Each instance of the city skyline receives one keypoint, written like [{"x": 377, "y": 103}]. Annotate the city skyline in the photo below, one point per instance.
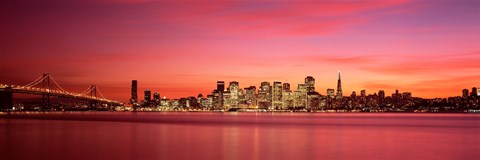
[{"x": 180, "y": 48}]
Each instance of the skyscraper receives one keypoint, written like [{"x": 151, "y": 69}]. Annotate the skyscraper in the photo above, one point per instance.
[
  {"x": 474, "y": 92},
  {"x": 265, "y": 95},
  {"x": 301, "y": 96},
  {"x": 134, "y": 97},
  {"x": 310, "y": 83},
  {"x": 330, "y": 93},
  {"x": 156, "y": 98},
  {"x": 363, "y": 93},
  {"x": 250, "y": 98},
  {"x": 354, "y": 95},
  {"x": 147, "y": 97},
  {"x": 381, "y": 94},
  {"x": 286, "y": 87},
  {"x": 220, "y": 86},
  {"x": 339, "y": 87},
  {"x": 234, "y": 89},
  {"x": 465, "y": 93},
  {"x": 277, "y": 94}
]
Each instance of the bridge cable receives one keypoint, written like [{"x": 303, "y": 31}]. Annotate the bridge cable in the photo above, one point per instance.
[
  {"x": 35, "y": 82},
  {"x": 58, "y": 86},
  {"x": 101, "y": 93}
]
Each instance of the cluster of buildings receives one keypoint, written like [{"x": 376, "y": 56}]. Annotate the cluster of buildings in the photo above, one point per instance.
[{"x": 276, "y": 96}]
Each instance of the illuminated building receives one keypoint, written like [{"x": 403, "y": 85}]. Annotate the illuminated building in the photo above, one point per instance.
[
  {"x": 478, "y": 91},
  {"x": 313, "y": 100},
  {"x": 363, "y": 93},
  {"x": 264, "y": 95},
  {"x": 250, "y": 96},
  {"x": 301, "y": 96},
  {"x": 175, "y": 104},
  {"x": 339, "y": 87},
  {"x": 288, "y": 98},
  {"x": 227, "y": 101},
  {"x": 354, "y": 95},
  {"x": 465, "y": 93},
  {"x": 134, "y": 96},
  {"x": 286, "y": 87},
  {"x": 209, "y": 102},
  {"x": 217, "y": 100},
  {"x": 277, "y": 95},
  {"x": 331, "y": 93},
  {"x": 310, "y": 84},
  {"x": 165, "y": 103},
  {"x": 234, "y": 95}
]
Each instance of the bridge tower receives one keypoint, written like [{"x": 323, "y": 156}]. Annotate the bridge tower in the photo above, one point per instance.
[
  {"x": 46, "y": 85},
  {"x": 93, "y": 93},
  {"x": 6, "y": 99}
]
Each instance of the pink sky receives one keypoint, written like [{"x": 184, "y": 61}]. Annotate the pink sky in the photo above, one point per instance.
[{"x": 181, "y": 48}]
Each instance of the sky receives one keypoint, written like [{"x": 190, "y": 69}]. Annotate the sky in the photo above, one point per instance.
[{"x": 180, "y": 48}]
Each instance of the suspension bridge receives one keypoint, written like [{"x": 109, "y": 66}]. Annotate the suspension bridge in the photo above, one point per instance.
[{"x": 46, "y": 86}]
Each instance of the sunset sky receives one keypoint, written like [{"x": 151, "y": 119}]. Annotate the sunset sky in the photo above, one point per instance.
[{"x": 181, "y": 48}]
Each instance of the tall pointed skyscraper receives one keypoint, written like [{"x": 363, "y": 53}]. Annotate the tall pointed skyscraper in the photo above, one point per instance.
[{"x": 339, "y": 87}]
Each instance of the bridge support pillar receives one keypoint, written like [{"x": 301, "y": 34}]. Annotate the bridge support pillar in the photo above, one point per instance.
[{"x": 6, "y": 99}]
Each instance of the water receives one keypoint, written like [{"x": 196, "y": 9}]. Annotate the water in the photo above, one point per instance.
[{"x": 238, "y": 136}]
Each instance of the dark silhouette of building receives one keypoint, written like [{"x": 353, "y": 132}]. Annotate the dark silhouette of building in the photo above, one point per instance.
[
  {"x": 465, "y": 93},
  {"x": 339, "y": 87},
  {"x": 220, "y": 86},
  {"x": 474, "y": 92},
  {"x": 156, "y": 98},
  {"x": 381, "y": 94},
  {"x": 147, "y": 97},
  {"x": 134, "y": 96}
]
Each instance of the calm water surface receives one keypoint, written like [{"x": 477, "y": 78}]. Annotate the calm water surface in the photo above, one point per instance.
[{"x": 256, "y": 136}]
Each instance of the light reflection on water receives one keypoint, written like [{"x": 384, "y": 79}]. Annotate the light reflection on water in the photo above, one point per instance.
[{"x": 238, "y": 136}]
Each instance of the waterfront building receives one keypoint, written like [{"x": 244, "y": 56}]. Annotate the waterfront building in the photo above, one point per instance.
[
  {"x": 277, "y": 95},
  {"x": 265, "y": 95},
  {"x": 147, "y": 97},
  {"x": 474, "y": 92},
  {"x": 220, "y": 86},
  {"x": 353, "y": 95},
  {"x": 288, "y": 98},
  {"x": 235, "y": 94},
  {"x": 339, "y": 87},
  {"x": 286, "y": 87},
  {"x": 134, "y": 96},
  {"x": 331, "y": 93},
  {"x": 250, "y": 96},
  {"x": 381, "y": 94},
  {"x": 156, "y": 98},
  {"x": 310, "y": 84},
  {"x": 165, "y": 103},
  {"x": 407, "y": 95},
  {"x": 465, "y": 93},
  {"x": 313, "y": 100}
]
